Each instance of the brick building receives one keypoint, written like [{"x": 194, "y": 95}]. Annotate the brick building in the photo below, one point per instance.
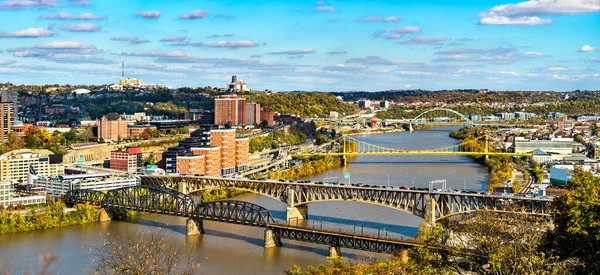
[
  {"x": 112, "y": 127},
  {"x": 252, "y": 113},
  {"x": 268, "y": 116},
  {"x": 126, "y": 159},
  {"x": 230, "y": 109},
  {"x": 135, "y": 131},
  {"x": 221, "y": 153}
]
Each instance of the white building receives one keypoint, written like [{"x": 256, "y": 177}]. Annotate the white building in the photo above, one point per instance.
[
  {"x": 8, "y": 196},
  {"x": 334, "y": 114},
  {"x": 15, "y": 165},
  {"x": 58, "y": 186}
]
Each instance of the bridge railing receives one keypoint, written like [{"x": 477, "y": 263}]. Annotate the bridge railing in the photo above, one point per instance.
[{"x": 358, "y": 230}]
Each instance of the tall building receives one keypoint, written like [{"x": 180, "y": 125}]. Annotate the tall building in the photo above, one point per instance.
[
  {"x": 11, "y": 97},
  {"x": 208, "y": 151},
  {"x": 252, "y": 113},
  {"x": 6, "y": 120},
  {"x": 225, "y": 139},
  {"x": 15, "y": 165},
  {"x": 230, "y": 109},
  {"x": 126, "y": 159},
  {"x": 364, "y": 103},
  {"x": 112, "y": 127},
  {"x": 268, "y": 116}
]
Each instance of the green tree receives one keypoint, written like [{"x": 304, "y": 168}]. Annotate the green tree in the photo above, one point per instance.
[{"x": 577, "y": 221}]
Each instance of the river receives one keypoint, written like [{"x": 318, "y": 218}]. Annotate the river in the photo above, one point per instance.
[{"x": 234, "y": 249}]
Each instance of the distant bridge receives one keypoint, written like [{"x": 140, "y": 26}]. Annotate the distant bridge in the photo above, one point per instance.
[
  {"x": 430, "y": 205},
  {"x": 368, "y": 149},
  {"x": 153, "y": 199},
  {"x": 448, "y": 117}
]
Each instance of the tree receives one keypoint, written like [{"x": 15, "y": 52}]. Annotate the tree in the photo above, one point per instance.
[
  {"x": 140, "y": 252},
  {"x": 36, "y": 138},
  {"x": 577, "y": 221}
]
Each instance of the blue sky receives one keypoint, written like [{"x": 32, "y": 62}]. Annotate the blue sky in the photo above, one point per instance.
[{"x": 305, "y": 45}]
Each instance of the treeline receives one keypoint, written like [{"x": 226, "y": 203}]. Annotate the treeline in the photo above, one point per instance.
[
  {"x": 52, "y": 216},
  {"x": 500, "y": 168},
  {"x": 303, "y": 104},
  {"x": 296, "y": 134},
  {"x": 40, "y": 138},
  {"x": 306, "y": 169}
]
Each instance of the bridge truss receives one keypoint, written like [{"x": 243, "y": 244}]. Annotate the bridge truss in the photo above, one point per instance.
[
  {"x": 424, "y": 204},
  {"x": 161, "y": 200}
]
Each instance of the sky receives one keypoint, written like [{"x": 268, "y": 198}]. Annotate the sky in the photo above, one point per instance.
[{"x": 284, "y": 45}]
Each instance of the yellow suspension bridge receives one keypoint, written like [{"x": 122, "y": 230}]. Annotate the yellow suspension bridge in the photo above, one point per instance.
[{"x": 361, "y": 148}]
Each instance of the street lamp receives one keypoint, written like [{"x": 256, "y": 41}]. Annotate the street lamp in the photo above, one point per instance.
[{"x": 388, "y": 179}]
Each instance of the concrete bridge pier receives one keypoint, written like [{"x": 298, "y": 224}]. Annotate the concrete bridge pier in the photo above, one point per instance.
[
  {"x": 334, "y": 252},
  {"x": 297, "y": 213},
  {"x": 194, "y": 227},
  {"x": 270, "y": 239},
  {"x": 103, "y": 216},
  {"x": 182, "y": 187},
  {"x": 430, "y": 208}
]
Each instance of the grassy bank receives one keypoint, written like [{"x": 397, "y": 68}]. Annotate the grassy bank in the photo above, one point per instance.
[{"x": 50, "y": 217}]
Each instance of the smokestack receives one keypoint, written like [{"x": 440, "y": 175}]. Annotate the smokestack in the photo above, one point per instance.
[{"x": 122, "y": 65}]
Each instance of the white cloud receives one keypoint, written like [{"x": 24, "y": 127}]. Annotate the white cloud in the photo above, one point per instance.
[
  {"x": 149, "y": 14},
  {"x": 345, "y": 68},
  {"x": 233, "y": 44},
  {"x": 380, "y": 19},
  {"x": 131, "y": 39},
  {"x": 325, "y": 9},
  {"x": 6, "y": 62},
  {"x": 526, "y": 13},
  {"x": 336, "y": 52},
  {"x": 560, "y": 77},
  {"x": 173, "y": 39},
  {"x": 28, "y": 33},
  {"x": 521, "y": 20},
  {"x": 415, "y": 73},
  {"x": 406, "y": 86},
  {"x": 295, "y": 52},
  {"x": 197, "y": 14},
  {"x": 425, "y": 40},
  {"x": 594, "y": 59},
  {"x": 556, "y": 69},
  {"x": 86, "y": 27},
  {"x": 586, "y": 48},
  {"x": 67, "y": 16}
]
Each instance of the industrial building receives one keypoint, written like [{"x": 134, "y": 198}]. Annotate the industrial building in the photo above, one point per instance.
[
  {"x": 8, "y": 196},
  {"x": 58, "y": 186}
]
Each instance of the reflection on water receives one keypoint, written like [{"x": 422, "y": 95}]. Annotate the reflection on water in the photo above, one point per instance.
[{"x": 235, "y": 249}]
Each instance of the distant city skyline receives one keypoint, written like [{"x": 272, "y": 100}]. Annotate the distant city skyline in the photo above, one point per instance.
[{"x": 305, "y": 45}]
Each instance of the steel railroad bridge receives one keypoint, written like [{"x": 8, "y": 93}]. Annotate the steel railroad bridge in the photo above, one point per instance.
[
  {"x": 431, "y": 206},
  {"x": 153, "y": 199}
]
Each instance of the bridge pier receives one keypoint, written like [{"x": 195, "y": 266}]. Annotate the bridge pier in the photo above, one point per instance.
[
  {"x": 182, "y": 187},
  {"x": 270, "y": 239},
  {"x": 344, "y": 160},
  {"x": 334, "y": 252},
  {"x": 430, "y": 207},
  {"x": 194, "y": 227},
  {"x": 103, "y": 216},
  {"x": 297, "y": 213}
]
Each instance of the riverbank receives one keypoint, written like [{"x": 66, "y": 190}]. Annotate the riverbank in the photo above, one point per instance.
[
  {"x": 500, "y": 168},
  {"x": 52, "y": 216}
]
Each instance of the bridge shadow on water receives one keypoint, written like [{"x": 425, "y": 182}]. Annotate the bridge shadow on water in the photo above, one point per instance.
[
  {"x": 157, "y": 224},
  {"x": 348, "y": 224}
]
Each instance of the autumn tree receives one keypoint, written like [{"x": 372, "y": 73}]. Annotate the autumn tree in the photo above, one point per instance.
[{"x": 577, "y": 221}]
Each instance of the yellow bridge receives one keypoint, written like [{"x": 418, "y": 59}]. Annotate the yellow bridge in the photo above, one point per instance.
[{"x": 355, "y": 147}]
